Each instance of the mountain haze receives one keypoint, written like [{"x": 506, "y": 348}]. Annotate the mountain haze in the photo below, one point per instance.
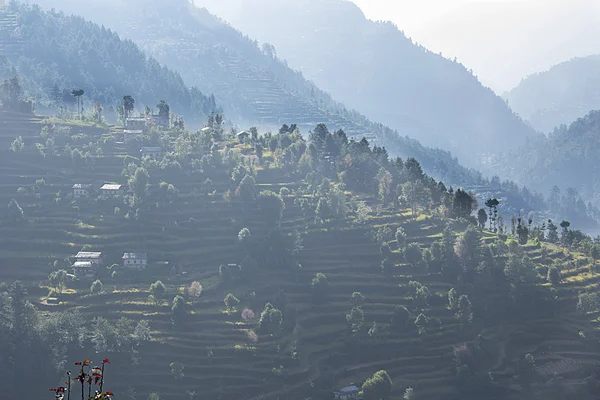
[
  {"x": 561, "y": 95},
  {"x": 58, "y": 53},
  {"x": 373, "y": 67},
  {"x": 506, "y": 40}
]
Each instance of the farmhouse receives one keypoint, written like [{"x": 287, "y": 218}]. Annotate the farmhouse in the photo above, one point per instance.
[
  {"x": 154, "y": 153},
  {"x": 348, "y": 393},
  {"x": 162, "y": 121},
  {"x": 81, "y": 190},
  {"x": 110, "y": 189},
  {"x": 84, "y": 269},
  {"x": 135, "y": 124},
  {"x": 135, "y": 260},
  {"x": 86, "y": 264},
  {"x": 243, "y": 136},
  {"x": 95, "y": 257}
]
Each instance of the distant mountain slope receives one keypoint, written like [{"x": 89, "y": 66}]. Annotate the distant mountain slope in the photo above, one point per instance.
[
  {"x": 373, "y": 67},
  {"x": 560, "y": 95},
  {"x": 568, "y": 158},
  {"x": 70, "y": 52},
  {"x": 204, "y": 49},
  {"x": 253, "y": 86}
]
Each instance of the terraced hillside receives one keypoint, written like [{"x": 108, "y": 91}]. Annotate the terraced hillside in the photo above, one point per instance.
[{"x": 313, "y": 352}]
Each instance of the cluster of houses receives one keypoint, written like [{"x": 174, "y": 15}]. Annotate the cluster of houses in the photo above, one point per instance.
[
  {"x": 86, "y": 263},
  {"x": 84, "y": 190},
  {"x": 140, "y": 125}
]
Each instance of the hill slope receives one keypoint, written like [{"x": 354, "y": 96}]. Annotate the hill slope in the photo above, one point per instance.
[
  {"x": 314, "y": 350},
  {"x": 373, "y": 67},
  {"x": 568, "y": 157},
  {"x": 58, "y": 53},
  {"x": 560, "y": 95}
]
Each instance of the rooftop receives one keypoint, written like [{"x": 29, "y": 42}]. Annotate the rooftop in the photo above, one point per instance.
[
  {"x": 350, "y": 389},
  {"x": 110, "y": 186},
  {"x": 151, "y": 149},
  {"x": 82, "y": 264},
  {"x": 89, "y": 254},
  {"x": 135, "y": 256},
  {"x": 205, "y": 129},
  {"x": 136, "y": 119},
  {"x": 82, "y": 186},
  {"x": 133, "y": 131}
]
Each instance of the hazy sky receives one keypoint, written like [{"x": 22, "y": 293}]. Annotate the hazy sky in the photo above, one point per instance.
[
  {"x": 410, "y": 15},
  {"x": 502, "y": 41}
]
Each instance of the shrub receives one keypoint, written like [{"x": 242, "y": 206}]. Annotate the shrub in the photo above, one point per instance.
[
  {"x": 96, "y": 287},
  {"x": 231, "y": 301}
]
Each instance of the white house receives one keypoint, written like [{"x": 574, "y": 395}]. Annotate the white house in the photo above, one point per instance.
[
  {"x": 86, "y": 264},
  {"x": 154, "y": 153},
  {"x": 348, "y": 393},
  {"x": 136, "y": 123},
  {"x": 81, "y": 190},
  {"x": 110, "y": 189},
  {"x": 135, "y": 260},
  {"x": 95, "y": 257},
  {"x": 243, "y": 136},
  {"x": 84, "y": 269}
]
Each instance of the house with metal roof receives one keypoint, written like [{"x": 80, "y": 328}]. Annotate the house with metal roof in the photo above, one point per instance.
[
  {"x": 111, "y": 189},
  {"x": 81, "y": 190},
  {"x": 135, "y": 260},
  {"x": 348, "y": 393}
]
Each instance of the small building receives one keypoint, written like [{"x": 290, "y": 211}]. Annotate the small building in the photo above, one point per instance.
[
  {"x": 84, "y": 269},
  {"x": 348, "y": 393},
  {"x": 86, "y": 264},
  {"x": 135, "y": 260},
  {"x": 94, "y": 257},
  {"x": 52, "y": 301},
  {"x": 161, "y": 121},
  {"x": 111, "y": 189},
  {"x": 154, "y": 153},
  {"x": 243, "y": 136},
  {"x": 81, "y": 190},
  {"x": 136, "y": 124}
]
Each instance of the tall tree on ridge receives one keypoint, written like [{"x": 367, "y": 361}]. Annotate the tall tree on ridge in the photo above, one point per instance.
[{"x": 78, "y": 93}]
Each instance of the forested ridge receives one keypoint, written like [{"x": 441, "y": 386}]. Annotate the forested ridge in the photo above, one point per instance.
[
  {"x": 58, "y": 53},
  {"x": 555, "y": 163},
  {"x": 379, "y": 71},
  {"x": 248, "y": 78},
  {"x": 566, "y": 92}
]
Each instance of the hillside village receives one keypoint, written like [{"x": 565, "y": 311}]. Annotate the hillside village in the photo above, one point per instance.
[
  {"x": 333, "y": 242},
  {"x": 211, "y": 260}
]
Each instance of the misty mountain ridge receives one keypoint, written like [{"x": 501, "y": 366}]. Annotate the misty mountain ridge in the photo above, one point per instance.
[
  {"x": 59, "y": 53},
  {"x": 560, "y": 95},
  {"x": 376, "y": 69}
]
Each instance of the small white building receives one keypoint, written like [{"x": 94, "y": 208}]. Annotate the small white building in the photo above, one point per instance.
[
  {"x": 348, "y": 393},
  {"x": 136, "y": 123},
  {"x": 243, "y": 136},
  {"x": 135, "y": 260},
  {"x": 81, "y": 190},
  {"x": 84, "y": 269},
  {"x": 111, "y": 189},
  {"x": 154, "y": 153},
  {"x": 86, "y": 264},
  {"x": 95, "y": 257}
]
